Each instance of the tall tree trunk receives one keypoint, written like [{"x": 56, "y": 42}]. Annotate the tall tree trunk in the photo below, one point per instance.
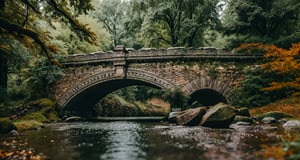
[{"x": 3, "y": 75}]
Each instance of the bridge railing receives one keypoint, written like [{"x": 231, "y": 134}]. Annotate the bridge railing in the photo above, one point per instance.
[{"x": 152, "y": 54}]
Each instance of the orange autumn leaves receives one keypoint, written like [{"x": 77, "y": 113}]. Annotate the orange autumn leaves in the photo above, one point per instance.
[{"x": 284, "y": 62}]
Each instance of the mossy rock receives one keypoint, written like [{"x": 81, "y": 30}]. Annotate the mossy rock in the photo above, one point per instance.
[
  {"x": 243, "y": 112},
  {"x": 43, "y": 116},
  {"x": 6, "y": 125},
  {"x": 219, "y": 116},
  {"x": 28, "y": 124},
  {"x": 44, "y": 103},
  {"x": 239, "y": 118},
  {"x": 275, "y": 114}
]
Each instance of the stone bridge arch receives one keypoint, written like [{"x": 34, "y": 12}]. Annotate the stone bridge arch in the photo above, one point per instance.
[
  {"x": 86, "y": 92},
  {"x": 207, "y": 91}
]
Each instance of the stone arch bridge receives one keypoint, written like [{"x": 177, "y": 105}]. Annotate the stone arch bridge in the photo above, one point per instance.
[{"x": 205, "y": 74}]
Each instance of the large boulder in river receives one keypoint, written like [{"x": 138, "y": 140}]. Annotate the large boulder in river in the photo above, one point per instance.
[
  {"x": 190, "y": 117},
  {"x": 219, "y": 116}
]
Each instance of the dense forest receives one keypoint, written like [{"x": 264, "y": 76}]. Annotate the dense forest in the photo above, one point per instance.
[{"x": 35, "y": 34}]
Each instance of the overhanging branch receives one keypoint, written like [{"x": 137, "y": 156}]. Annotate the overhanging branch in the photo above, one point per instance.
[{"x": 13, "y": 28}]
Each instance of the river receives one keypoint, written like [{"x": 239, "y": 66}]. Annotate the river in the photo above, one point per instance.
[{"x": 124, "y": 140}]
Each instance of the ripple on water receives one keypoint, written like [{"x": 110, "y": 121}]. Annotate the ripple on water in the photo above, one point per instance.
[{"x": 140, "y": 141}]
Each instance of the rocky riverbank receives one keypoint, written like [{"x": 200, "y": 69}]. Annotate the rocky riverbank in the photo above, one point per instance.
[{"x": 223, "y": 115}]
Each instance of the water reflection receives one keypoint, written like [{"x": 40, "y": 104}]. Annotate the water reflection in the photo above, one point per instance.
[
  {"x": 123, "y": 142},
  {"x": 143, "y": 141}
]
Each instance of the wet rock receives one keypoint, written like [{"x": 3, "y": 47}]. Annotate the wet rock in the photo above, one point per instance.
[
  {"x": 239, "y": 125},
  {"x": 74, "y": 119},
  {"x": 243, "y": 123},
  {"x": 172, "y": 117},
  {"x": 292, "y": 125},
  {"x": 246, "y": 119},
  {"x": 219, "y": 116},
  {"x": 243, "y": 112},
  {"x": 190, "y": 117},
  {"x": 14, "y": 132},
  {"x": 268, "y": 120}
]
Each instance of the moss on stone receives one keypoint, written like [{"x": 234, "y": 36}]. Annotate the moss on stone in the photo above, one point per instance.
[
  {"x": 277, "y": 115},
  {"x": 28, "y": 124},
  {"x": 45, "y": 102},
  {"x": 6, "y": 125},
  {"x": 44, "y": 115}
]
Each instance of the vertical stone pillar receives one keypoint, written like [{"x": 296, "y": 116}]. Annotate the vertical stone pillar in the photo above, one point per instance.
[{"x": 120, "y": 63}]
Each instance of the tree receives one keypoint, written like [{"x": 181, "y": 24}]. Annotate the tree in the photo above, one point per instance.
[
  {"x": 284, "y": 62},
  {"x": 178, "y": 22},
  {"x": 272, "y": 22},
  {"x": 20, "y": 21},
  {"x": 111, "y": 14}
]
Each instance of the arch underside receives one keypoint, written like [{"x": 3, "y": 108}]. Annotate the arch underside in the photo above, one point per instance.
[
  {"x": 206, "y": 91},
  {"x": 86, "y": 93},
  {"x": 89, "y": 91}
]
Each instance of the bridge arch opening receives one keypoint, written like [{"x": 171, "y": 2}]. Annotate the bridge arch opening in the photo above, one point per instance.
[
  {"x": 86, "y": 100},
  {"x": 207, "y": 97}
]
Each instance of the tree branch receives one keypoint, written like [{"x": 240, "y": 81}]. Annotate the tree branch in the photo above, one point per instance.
[
  {"x": 72, "y": 21},
  {"x": 13, "y": 28}
]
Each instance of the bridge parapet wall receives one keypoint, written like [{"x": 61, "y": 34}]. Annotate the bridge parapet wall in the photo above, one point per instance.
[{"x": 152, "y": 54}]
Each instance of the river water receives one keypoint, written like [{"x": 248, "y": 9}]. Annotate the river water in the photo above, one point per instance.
[{"x": 123, "y": 140}]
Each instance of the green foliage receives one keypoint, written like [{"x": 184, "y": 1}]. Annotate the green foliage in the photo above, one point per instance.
[
  {"x": 156, "y": 23},
  {"x": 114, "y": 106},
  {"x": 140, "y": 93},
  {"x": 249, "y": 93},
  {"x": 111, "y": 14},
  {"x": 178, "y": 23},
  {"x": 272, "y": 22},
  {"x": 176, "y": 98},
  {"x": 41, "y": 78},
  {"x": 70, "y": 43}
]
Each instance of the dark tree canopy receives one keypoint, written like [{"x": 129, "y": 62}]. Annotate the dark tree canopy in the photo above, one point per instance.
[{"x": 272, "y": 21}]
